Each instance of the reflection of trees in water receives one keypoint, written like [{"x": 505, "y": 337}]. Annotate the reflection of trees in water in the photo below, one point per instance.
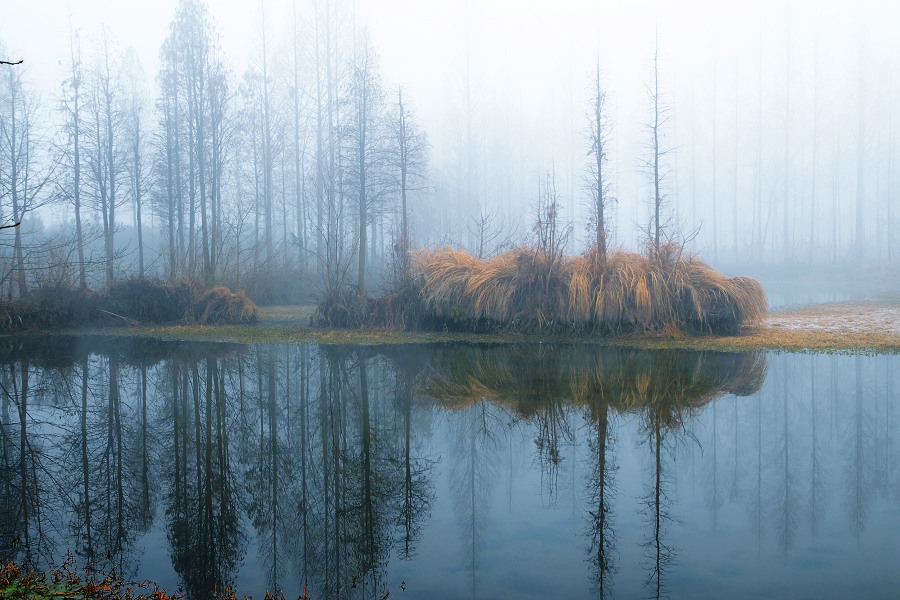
[
  {"x": 817, "y": 412},
  {"x": 321, "y": 450},
  {"x": 601, "y": 491},
  {"x": 816, "y": 497},
  {"x": 417, "y": 487},
  {"x": 756, "y": 503},
  {"x": 21, "y": 490},
  {"x": 473, "y": 473},
  {"x": 664, "y": 387},
  {"x": 891, "y": 458},
  {"x": 785, "y": 499},
  {"x": 862, "y": 444},
  {"x": 364, "y": 491},
  {"x": 657, "y": 500},
  {"x": 267, "y": 466},
  {"x": 202, "y": 518}
]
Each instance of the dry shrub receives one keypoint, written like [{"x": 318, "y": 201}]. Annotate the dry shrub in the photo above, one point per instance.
[
  {"x": 155, "y": 301},
  {"x": 131, "y": 301},
  {"x": 150, "y": 300},
  {"x": 401, "y": 308},
  {"x": 526, "y": 290},
  {"x": 447, "y": 274},
  {"x": 49, "y": 308},
  {"x": 222, "y": 306}
]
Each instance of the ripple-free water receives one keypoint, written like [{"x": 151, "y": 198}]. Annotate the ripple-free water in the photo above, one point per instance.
[{"x": 448, "y": 471}]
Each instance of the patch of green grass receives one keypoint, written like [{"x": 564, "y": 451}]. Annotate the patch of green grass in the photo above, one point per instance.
[
  {"x": 760, "y": 338},
  {"x": 286, "y": 313}
]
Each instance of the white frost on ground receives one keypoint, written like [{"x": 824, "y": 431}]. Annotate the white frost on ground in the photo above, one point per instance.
[{"x": 840, "y": 317}]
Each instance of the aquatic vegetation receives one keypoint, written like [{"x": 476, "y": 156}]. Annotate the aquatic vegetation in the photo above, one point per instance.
[{"x": 529, "y": 290}]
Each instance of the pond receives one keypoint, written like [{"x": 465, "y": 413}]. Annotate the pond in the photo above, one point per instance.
[{"x": 452, "y": 471}]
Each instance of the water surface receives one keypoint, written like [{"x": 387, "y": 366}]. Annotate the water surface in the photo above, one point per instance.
[{"x": 453, "y": 471}]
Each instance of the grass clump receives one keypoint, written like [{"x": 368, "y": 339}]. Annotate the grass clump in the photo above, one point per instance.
[
  {"x": 526, "y": 289},
  {"x": 222, "y": 306},
  {"x": 131, "y": 301}
]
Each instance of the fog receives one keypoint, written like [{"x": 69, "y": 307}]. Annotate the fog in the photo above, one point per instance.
[{"x": 778, "y": 142}]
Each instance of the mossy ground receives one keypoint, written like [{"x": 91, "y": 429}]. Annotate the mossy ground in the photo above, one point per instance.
[{"x": 870, "y": 326}]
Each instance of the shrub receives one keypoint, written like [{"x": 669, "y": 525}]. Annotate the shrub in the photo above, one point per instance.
[
  {"x": 220, "y": 306},
  {"x": 132, "y": 301},
  {"x": 527, "y": 290},
  {"x": 150, "y": 300}
]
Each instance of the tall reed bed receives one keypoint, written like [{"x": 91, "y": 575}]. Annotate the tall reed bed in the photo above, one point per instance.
[{"x": 526, "y": 289}]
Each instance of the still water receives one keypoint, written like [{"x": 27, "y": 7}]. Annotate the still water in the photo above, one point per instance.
[{"x": 453, "y": 471}]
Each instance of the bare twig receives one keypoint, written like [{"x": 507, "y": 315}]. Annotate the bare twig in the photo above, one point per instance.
[
  {"x": 126, "y": 319},
  {"x": 6, "y": 62}
]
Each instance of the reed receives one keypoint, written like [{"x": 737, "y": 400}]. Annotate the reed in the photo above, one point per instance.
[{"x": 525, "y": 289}]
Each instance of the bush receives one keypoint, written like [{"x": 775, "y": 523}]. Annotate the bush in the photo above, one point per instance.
[
  {"x": 220, "y": 306},
  {"x": 132, "y": 301},
  {"x": 526, "y": 289},
  {"x": 150, "y": 300}
]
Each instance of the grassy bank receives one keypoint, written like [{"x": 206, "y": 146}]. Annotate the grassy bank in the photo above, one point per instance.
[{"x": 818, "y": 328}]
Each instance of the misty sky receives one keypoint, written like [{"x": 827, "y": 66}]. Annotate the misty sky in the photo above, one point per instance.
[{"x": 529, "y": 63}]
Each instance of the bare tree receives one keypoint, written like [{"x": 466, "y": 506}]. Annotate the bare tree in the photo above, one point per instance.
[
  {"x": 598, "y": 179},
  {"x": 366, "y": 137},
  {"x": 106, "y": 150},
  {"x": 409, "y": 161},
  {"x": 551, "y": 234},
  {"x": 137, "y": 169},
  {"x": 72, "y": 107},
  {"x": 653, "y": 164},
  {"x": 24, "y": 174}
]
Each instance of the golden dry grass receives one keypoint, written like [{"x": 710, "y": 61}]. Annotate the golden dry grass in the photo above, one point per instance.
[{"x": 527, "y": 290}]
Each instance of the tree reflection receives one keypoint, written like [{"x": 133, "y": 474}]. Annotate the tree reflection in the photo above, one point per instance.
[
  {"x": 20, "y": 490},
  {"x": 206, "y": 542},
  {"x": 417, "y": 488},
  {"x": 664, "y": 387},
  {"x": 861, "y": 445},
  {"x": 601, "y": 489},
  {"x": 315, "y": 466},
  {"x": 657, "y": 504}
]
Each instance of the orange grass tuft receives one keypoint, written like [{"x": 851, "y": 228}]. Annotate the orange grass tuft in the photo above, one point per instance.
[{"x": 525, "y": 289}]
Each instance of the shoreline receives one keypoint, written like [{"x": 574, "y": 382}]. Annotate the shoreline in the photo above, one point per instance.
[{"x": 870, "y": 326}]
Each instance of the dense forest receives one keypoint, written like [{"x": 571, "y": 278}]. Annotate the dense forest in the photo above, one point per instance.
[{"x": 308, "y": 172}]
